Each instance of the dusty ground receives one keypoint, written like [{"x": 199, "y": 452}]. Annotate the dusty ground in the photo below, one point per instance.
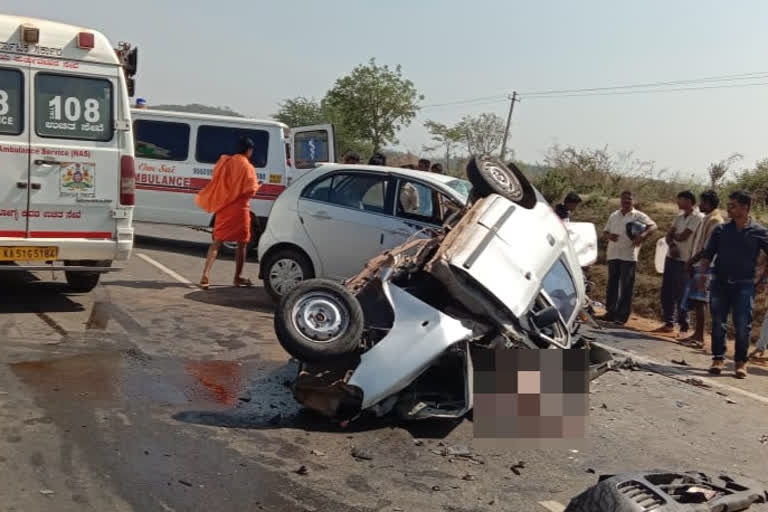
[{"x": 149, "y": 394}]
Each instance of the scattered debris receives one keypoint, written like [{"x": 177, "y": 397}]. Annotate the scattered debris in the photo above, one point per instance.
[
  {"x": 604, "y": 406},
  {"x": 591, "y": 471},
  {"x": 629, "y": 364},
  {"x": 302, "y": 470},
  {"x": 493, "y": 501},
  {"x": 457, "y": 451},
  {"x": 681, "y": 362},
  {"x": 317, "y": 453},
  {"x": 146, "y": 452},
  {"x": 435, "y": 487},
  {"x": 764, "y": 439},
  {"x": 730, "y": 401},
  {"x": 681, "y": 404},
  {"x": 184, "y": 482},
  {"x": 468, "y": 477},
  {"x": 722, "y": 393},
  {"x": 361, "y": 454},
  {"x": 46, "y": 492},
  {"x": 695, "y": 381},
  {"x": 517, "y": 467},
  {"x": 418, "y": 442},
  {"x": 574, "y": 451}
]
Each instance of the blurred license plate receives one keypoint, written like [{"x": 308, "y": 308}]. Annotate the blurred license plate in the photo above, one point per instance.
[{"x": 28, "y": 253}]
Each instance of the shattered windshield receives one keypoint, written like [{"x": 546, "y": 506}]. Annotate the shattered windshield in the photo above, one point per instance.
[
  {"x": 463, "y": 187},
  {"x": 559, "y": 285}
]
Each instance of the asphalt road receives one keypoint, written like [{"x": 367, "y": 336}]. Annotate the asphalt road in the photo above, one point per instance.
[{"x": 150, "y": 394}]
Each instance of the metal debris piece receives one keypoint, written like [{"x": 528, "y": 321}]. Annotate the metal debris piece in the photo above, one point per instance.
[
  {"x": 318, "y": 453},
  {"x": 418, "y": 442},
  {"x": 629, "y": 364},
  {"x": 468, "y": 477},
  {"x": 695, "y": 381},
  {"x": 184, "y": 482},
  {"x": 46, "y": 492},
  {"x": 517, "y": 467},
  {"x": 730, "y": 401},
  {"x": 457, "y": 451},
  {"x": 302, "y": 470},
  {"x": 435, "y": 487},
  {"x": 681, "y": 362},
  {"x": 361, "y": 454},
  {"x": 764, "y": 439}
]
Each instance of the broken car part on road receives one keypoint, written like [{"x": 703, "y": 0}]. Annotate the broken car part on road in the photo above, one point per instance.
[
  {"x": 669, "y": 491},
  {"x": 502, "y": 272}
]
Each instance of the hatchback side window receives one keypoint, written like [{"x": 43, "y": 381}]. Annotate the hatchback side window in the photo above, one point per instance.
[
  {"x": 418, "y": 202},
  {"x": 11, "y": 102},
  {"x": 359, "y": 191}
]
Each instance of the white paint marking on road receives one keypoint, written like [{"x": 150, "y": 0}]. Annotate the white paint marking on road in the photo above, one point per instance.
[
  {"x": 552, "y": 506},
  {"x": 162, "y": 268},
  {"x": 674, "y": 373}
]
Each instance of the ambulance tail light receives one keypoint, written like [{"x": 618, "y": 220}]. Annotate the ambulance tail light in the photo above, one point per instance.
[
  {"x": 86, "y": 40},
  {"x": 127, "y": 181}
]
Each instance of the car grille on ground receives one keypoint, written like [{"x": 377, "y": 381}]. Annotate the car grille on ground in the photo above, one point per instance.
[{"x": 641, "y": 494}]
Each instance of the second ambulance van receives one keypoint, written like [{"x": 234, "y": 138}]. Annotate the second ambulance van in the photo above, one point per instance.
[{"x": 176, "y": 153}]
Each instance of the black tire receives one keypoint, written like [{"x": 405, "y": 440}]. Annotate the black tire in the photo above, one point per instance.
[
  {"x": 82, "y": 282},
  {"x": 282, "y": 257},
  {"x": 490, "y": 176},
  {"x": 342, "y": 314}
]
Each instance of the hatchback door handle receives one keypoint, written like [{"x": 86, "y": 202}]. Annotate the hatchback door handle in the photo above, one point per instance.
[
  {"x": 321, "y": 215},
  {"x": 21, "y": 184},
  {"x": 36, "y": 186}
]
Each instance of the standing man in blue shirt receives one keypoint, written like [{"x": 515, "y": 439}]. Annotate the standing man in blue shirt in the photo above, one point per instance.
[{"x": 737, "y": 245}]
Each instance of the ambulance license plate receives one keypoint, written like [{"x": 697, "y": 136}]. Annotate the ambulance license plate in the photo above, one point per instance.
[{"x": 28, "y": 253}]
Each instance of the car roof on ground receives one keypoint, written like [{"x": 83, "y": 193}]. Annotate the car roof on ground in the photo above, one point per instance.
[{"x": 441, "y": 179}]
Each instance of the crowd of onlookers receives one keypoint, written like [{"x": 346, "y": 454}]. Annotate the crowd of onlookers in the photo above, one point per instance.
[
  {"x": 380, "y": 159},
  {"x": 710, "y": 261}
]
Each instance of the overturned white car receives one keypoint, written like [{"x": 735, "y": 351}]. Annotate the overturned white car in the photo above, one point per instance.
[{"x": 504, "y": 271}]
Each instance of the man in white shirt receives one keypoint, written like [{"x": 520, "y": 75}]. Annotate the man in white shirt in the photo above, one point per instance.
[
  {"x": 680, "y": 242},
  {"x": 622, "y": 256}
]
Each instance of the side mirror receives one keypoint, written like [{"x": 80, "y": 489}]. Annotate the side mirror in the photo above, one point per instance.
[{"x": 545, "y": 317}]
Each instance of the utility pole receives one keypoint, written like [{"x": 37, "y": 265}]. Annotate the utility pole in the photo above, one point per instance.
[{"x": 512, "y": 100}]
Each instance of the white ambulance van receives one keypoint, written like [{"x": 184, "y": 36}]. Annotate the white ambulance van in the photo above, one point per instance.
[
  {"x": 177, "y": 151},
  {"x": 66, "y": 151}
]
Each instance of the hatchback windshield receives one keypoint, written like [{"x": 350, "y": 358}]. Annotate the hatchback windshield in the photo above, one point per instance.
[
  {"x": 463, "y": 187},
  {"x": 558, "y": 284}
]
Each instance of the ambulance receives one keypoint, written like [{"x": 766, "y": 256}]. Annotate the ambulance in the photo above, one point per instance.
[
  {"x": 67, "y": 172},
  {"x": 177, "y": 151}
]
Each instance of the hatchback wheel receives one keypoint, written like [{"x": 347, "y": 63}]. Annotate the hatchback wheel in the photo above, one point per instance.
[
  {"x": 284, "y": 270},
  {"x": 490, "y": 176},
  {"x": 319, "y": 320}
]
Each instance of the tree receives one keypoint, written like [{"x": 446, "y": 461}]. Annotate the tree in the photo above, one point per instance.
[
  {"x": 482, "y": 134},
  {"x": 374, "y": 102},
  {"x": 718, "y": 170},
  {"x": 300, "y": 111},
  {"x": 446, "y": 136}
]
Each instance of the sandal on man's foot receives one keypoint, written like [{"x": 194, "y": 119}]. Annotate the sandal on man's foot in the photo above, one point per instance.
[
  {"x": 243, "y": 282},
  {"x": 204, "y": 284}
]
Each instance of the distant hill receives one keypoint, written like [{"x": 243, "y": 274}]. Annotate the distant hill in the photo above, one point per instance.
[{"x": 197, "y": 108}]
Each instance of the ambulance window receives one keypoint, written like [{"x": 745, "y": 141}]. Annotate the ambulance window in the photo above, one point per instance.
[
  {"x": 11, "y": 102},
  {"x": 73, "y": 107},
  {"x": 214, "y": 141},
  {"x": 161, "y": 140}
]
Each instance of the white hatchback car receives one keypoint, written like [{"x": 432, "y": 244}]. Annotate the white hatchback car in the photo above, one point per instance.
[{"x": 335, "y": 218}]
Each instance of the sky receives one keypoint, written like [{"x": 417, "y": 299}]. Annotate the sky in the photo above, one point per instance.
[{"x": 250, "y": 55}]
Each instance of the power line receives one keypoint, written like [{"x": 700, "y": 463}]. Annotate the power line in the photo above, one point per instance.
[
  {"x": 719, "y": 78},
  {"x": 617, "y": 90},
  {"x": 649, "y": 91}
]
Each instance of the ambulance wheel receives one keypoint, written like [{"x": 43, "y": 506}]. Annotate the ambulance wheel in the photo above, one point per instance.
[
  {"x": 319, "y": 320},
  {"x": 82, "y": 282},
  {"x": 490, "y": 176},
  {"x": 229, "y": 248}
]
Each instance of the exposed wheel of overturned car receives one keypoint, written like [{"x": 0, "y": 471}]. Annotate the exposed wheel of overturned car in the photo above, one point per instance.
[
  {"x": 319, "y": 320},
  {"x": 490, "y": 176}
]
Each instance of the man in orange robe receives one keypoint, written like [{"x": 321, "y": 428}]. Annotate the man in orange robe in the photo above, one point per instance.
[{"x": 228, "y": 196}]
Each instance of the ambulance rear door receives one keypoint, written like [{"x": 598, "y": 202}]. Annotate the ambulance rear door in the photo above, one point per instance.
[
  {"x": 75, "y": 161},
  {"x": 309, "y": 147},
  {"x": 14, "y": 147}
]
